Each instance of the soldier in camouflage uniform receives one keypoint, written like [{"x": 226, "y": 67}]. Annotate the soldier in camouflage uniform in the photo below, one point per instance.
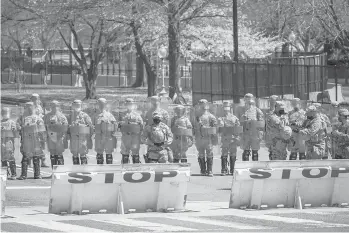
[
  {"x": 182, "y": 131},
  {"x": 35, "y": 98},
  {"x": 9, "y": 131},
  {"x": 57, "y": 127},
  {"x": 296, "y": 119},
  {"x": 105, "y": 130},
  {"x": 253, "y": 121},
  {"x": 314, "y": 133},
  {"x": 280, "y": 132},
  {"x": 328, "y": 130},
  {"x": 268, "y": 136},
  {"x": 131, "y": 127},
  {"x": 33, "y": 137},
  {"x": 158, "y": 137},
  {"x": 205, "y": 137},
  {"x": 229, "y": 128},
  {"x": 80, "y": 129},
  {"x": 340, "y": 136},
  {"x": 155, "y": 107}
]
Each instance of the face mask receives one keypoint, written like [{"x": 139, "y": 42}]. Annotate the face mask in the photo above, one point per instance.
[
  {"x": 282, "y": 112},
  {"x": 77, "y": 109},
  {"x": 310, "y": 117},
  {"x": 156, "y": 121}
]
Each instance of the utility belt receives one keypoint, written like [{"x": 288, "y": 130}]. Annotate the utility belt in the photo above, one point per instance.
[
  {"x": 130, "y": 128},
  {"x": 57, "y": 128},
  {"x": 182, "y": 132},
  {"x": 254, "y": 124},
  {"x": 9, "y": 134},
  {"x": 33, "y": 129},
  {"x": 207, "y": 131},
  {"x": 230, "y": 130},
  {"x": 80, "y": 130}
]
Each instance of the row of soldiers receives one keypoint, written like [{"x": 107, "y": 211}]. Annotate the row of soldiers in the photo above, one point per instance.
[{"x": 307, "y": 133}]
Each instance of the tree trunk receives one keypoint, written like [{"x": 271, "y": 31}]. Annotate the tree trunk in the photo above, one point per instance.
[
  {"x": 90, "y": 80},
  {"x": 129, "y": 68},
  {"x": 173, "y": 49},
  {"x": 139, "y": 72}
]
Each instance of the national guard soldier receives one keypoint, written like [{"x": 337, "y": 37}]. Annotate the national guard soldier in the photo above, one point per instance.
[
  {"x": 158, "y": 137},
  {"x": 328, "y": 129},
  {"x": 35, "y": 98},
  {"x": 205, "y": 137},
  {"x": 80, "y": 129},
  {"x": 296, "y": 119},
  {"x": 280, "y": 132},
  {"x": 272, "y": 102},
  {"x": 33, "y": 137},
  {"x": 9, "y": 131},
  {"x": 131, "y": 127},
  {"x": 229, "y": 129},
  {"x": 314, "y": 134},
  {"x": 105, "y": 130},
  {"x": 182, "y": 131},
  {"x": 155, "y": 107},
  {"x": 253, "y": 122},
  {"x": 340, "y": 136},
  {"x": 57, "y": 127},
  {"x": 337, "y": 124}
]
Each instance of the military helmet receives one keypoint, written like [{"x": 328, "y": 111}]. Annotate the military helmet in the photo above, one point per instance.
[
  {"x": 54, "y": 103},
  {"x": 156, "y": 115},
  {"x": 5, "y": 110},
  {"x": 248, "y": 95}
]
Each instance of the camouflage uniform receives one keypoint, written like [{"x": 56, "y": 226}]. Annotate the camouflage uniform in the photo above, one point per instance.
[
  {"x": 229, "y": 130},
  {"x": 328, "y": 129},
  {"x": 340, "y": 136},
  {"x": 158, "y": 137},
  {"x": 314, "y": 134},
  {"x": 182, "y": 130},
  {"x": 155, "y": 102},
  {"x": 33, "y": 138},
  {"x": 253, "y": 121},
  {"x": 131, "y": 128},
  {"x": 80, "y": 130},
  {"x": 268, "y": 136},
  {"x": 9, "y": 131},
  {"x": 57, "y": 127},
  {"x": 296, "y": 119},
  {"x": 280, "y": 132},
  {"x": 35, "y": 98},
  {"x": 205, "y": 137}
]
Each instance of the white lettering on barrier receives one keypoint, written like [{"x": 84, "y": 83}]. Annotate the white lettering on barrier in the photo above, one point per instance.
[{"x": 294, "y": 173}]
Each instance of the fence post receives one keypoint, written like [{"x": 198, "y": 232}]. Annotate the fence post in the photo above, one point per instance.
[
  {"x": 281, "y": 81},
  {"x": 268, "y": 68},
  {"x": 308, "y": 81},
  {"x": 256, "y": 78},
  {"x": 211, "y": 81},
  {"x": 244, "y": 77},
  {"x": 336, "y": 81}
]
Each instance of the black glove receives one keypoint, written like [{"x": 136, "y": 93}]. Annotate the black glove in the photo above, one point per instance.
[
  {"x": 159, "y": 144},
  {"x": 296, "y": 130}
]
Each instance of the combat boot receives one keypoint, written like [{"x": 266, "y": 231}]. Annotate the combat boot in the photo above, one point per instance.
[
  {"x": 224, "y": 165},
  {"x": 76, "y": 160},
  {"x": 302, "y": 156},
  {"x": 83, "y": 159},
  {"x": 36, "y": 163},
  {"x": 232, "y": 160},
  {"x": 135, "y": 159},
  {"x": 202, "y": 164},
  {"x": 43, "y": 162},
  {"x": 255, "y": 155},
  {"x": 270, "y": 155},
  {"x": 246, "y": 155},
  {"x": 100, "y": 159},
  {"x": 13, "y": 170},
  {"x": 175, "y": 160},
  {"x": 24, "y": 169},
  {"x": 125, "y": 159},
  {"x": 109, "y": 158},
  {"x": 53, "y": 160},
  {"x": 184, "y": 160},
  {"x": 293, "y": 156},
  {"x": 59, "y": 160},
  {"x": 209, "y": 167}
]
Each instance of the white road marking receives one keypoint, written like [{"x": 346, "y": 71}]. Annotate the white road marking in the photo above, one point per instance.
[
  {"x": 27, "y": 187},
  {"x": 65, "y": 227},
  {"x": 158, "y": 227},
  {"x": 217, "y": 223}
]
